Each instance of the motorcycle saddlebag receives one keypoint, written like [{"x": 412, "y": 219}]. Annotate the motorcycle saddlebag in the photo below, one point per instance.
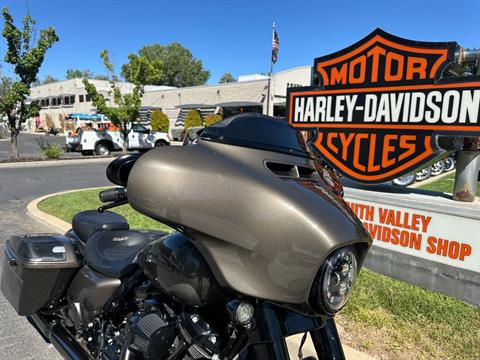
[{"x": 36, "y": 270}]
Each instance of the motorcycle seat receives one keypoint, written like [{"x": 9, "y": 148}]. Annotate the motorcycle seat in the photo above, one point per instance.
[
  {"x": 86, "y": 223},
  {"x": 113, "y": 253}
]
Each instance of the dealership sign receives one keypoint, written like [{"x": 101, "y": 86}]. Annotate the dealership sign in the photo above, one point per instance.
[
  {"x": 379, "y": 105},
  {"x": 425, "y": 234}
]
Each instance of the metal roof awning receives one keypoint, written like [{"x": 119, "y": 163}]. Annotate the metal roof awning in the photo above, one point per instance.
[
  {"x": 194, "y": 106},
  {"x": 238, "y": 104}
]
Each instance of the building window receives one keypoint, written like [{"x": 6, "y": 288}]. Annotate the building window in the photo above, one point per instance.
[
  {"x": 54, "y": 102},
  {"x": 72, "y": 99},
  {"x": 88, "y": 98},
  {"x": 42, "y": 102},
  {"x": 59, "y": 101},
  {"x": 47, "y": 102},
  {"x": 66, "y": 100},
  {"x": 80, "y": 98}
]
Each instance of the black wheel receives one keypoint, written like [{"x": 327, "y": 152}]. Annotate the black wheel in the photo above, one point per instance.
[
  {"x": 423, "y": 174},
  {"x": 405, "y": 180},
  {"x": 438, "y": 168},
  {"x": 161, "y": 143},
  {"x": 102, "y": 149},
  {"x": 87, "y": 152}
]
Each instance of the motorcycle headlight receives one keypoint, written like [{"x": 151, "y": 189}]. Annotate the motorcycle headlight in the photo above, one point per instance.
[{"x": 338, "y": 278}]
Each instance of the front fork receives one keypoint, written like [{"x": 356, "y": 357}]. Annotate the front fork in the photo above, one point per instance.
[{"x": 273, "y": 325}]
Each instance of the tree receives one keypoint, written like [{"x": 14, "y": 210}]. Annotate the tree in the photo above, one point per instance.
[
  {"x": 226, "y": 78},
  {"x": 101, "y": 77},
  {"x": 48, "y": 80},
  {"x": 5, "y": 86},
  {"x": 25, "y": 53},
  {"x": 171, "y": 65},
  {"x": 212, "y": 119},
  {"x": 126, "y": 107},
  {"x": 159, "y": 121},
  {"x": 193, "y": 119},
  {"x": 78, "y": 74}
]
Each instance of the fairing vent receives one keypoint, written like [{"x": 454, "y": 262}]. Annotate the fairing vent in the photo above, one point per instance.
[{"x": 291, "y": 170}]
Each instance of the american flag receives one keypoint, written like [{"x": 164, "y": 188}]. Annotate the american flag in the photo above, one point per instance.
[{"x": 275, "y": 46}]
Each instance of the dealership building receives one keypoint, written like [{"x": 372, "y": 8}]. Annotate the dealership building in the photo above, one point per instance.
[{"x": 248, "y": 94}]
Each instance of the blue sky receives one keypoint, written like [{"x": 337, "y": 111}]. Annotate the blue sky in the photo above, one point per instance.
[{"x": 235, "y": 36}]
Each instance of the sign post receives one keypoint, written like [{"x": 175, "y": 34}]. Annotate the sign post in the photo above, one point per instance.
[{"x": 466, "y": 177}]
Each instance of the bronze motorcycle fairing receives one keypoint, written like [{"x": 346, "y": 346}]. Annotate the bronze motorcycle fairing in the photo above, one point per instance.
[{"x": 264, "y": 232}]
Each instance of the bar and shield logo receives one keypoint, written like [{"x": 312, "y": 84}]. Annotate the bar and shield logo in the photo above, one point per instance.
[{"x": 377, "y": 106}]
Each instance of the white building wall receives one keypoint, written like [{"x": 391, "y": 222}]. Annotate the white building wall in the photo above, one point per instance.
[
  {"x": 169, "y": 99},
  {"x": 252, "y": 91},
  {"x": 70, "y": 87}
]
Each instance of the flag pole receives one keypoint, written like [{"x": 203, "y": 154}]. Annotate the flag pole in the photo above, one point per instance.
[{"x": 271, "y": 71}]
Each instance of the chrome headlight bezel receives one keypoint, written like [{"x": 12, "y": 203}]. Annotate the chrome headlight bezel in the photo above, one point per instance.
[{"x": 336, "y": 279}]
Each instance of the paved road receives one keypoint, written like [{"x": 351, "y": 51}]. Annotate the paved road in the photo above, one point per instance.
[
  {"x": 18, "y": 186},
  {"x": 28, "y": 145}
]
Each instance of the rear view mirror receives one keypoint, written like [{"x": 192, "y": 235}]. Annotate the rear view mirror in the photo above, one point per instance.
[{"x": 119, "y": 169}]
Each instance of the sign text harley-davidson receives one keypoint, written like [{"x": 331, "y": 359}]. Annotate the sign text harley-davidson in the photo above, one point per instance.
[{"x": 380, "y": 103}]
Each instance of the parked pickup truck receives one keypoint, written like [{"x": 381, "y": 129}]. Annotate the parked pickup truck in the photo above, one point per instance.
[{"x": 90, "y": 142}]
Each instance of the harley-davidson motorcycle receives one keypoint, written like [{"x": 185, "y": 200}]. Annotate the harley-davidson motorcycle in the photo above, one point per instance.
[{"x": 264, "y": 247}]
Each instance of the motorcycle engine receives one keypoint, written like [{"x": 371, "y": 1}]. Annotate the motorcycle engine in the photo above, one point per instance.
[{"x": 159, "y": 333}]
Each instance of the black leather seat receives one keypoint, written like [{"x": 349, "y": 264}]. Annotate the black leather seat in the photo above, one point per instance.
[
  {"x": 113, "y": 253},
  {"x": 86, "y": 223}
]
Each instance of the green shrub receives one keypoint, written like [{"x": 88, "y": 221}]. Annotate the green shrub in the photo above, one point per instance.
[
  {"x": 159, "y": 121},
  {"x": 50, "y": 151},
  {"x": 212, "y": 119},
  {"x": 193, "y": 119}
]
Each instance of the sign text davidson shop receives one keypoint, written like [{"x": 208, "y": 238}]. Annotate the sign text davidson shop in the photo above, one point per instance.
[{"x": 380, "y": 103}]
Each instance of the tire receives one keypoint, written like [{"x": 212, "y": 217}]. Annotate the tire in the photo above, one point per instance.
[
  {"x": 449, "y": 163},
  {"x": 423, "y": 174},
  {"x": 437, "y": 168},
  {"x": 159, "y": 143},
  {"x": 87, "y": 152},
  {"x": 405, "y": 180},
  {"x": 102, "y": 149}
]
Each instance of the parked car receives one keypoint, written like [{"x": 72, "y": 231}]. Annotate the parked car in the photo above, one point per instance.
[{"x": 90, "y": 142}]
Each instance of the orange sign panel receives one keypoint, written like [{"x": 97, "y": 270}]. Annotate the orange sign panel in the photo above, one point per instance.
[{"x": 377, "y": 106}]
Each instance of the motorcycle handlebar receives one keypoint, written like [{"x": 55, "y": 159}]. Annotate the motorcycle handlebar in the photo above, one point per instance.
[{"x": 113, "y": 195}]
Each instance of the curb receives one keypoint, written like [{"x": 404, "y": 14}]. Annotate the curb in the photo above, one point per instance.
[
  {"x": 50, "y": 221},
  {"x": 58, "y": 225},
  {"x": 25, "y": 164}
]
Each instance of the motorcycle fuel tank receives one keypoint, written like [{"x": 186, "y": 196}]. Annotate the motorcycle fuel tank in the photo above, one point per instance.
[
  {"x": 175, "y": 265},
  {"x": 250, "y": 198}
]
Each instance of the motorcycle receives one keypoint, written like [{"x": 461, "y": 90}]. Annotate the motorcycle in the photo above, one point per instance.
[
  {"x": 423, "y": 174},
  {"x": 264, "y": 247},
  {"x": 437, "y": 168}
]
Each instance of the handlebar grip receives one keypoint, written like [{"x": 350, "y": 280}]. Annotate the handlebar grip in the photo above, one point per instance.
[{"x": 117, "y": 194}]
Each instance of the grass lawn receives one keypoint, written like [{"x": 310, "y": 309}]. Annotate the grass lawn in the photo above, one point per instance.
[
  {"x": 67, "y": 205},
  {"x": 387, "y": 318},
  {"x": 444, "y": 184}
]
